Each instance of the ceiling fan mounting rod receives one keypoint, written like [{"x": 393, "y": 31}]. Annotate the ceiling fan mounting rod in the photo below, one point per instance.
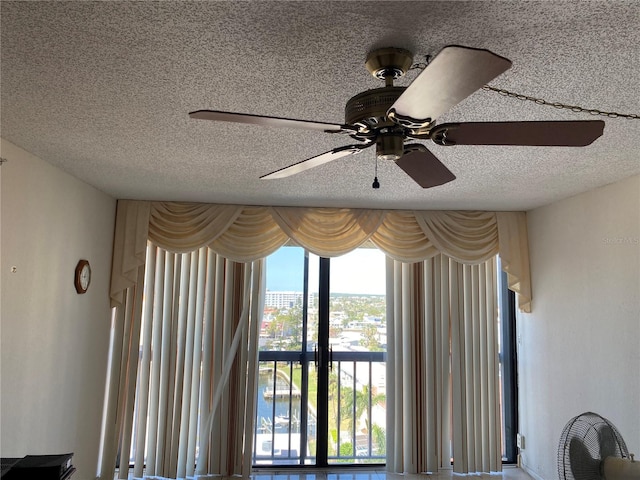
[{"x": 389, "y": 63}]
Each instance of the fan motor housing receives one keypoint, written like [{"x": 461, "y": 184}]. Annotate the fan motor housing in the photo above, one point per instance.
[{"x": 368, "y": 110}]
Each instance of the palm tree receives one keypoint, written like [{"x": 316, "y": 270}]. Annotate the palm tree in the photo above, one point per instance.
[
  {"x": 362, "y": 402},
  {"x": 362, "y": 399}
]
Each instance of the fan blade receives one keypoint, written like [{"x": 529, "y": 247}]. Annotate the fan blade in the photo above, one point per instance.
[
  {"x": 583, "y": 465},
  {"x": 312, "y": 162},
  {"x": 607, "y": 442},
  {"x": 454, "y": 74},
  {"x": 268, "y": 121},
  {"x": 423, "y": 166},
  {"x": 577, "y": 133}
]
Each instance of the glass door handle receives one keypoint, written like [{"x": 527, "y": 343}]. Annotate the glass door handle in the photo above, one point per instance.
[{"x": 330, "y": 358}]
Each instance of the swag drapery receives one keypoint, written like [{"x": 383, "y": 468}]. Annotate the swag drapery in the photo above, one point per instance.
[
  {"x": 247, "y": 234},
  {"x": 244, "y": 234}
]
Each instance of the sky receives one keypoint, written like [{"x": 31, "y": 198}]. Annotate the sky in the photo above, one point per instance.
[{"x": 361, "y": 271}]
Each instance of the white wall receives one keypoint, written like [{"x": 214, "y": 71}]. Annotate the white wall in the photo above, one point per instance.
[
  {"x": 54, "y": 342},
  {"x": 579, "y": 349}
]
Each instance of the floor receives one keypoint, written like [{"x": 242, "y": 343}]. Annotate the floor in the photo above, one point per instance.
[{"x": 508, "y": 473}]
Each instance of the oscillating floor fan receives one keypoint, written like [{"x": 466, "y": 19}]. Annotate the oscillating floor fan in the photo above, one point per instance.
[{"x": 591, "y": 448}]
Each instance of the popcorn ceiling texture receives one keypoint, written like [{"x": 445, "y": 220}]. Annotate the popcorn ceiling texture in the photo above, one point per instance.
[{"x": 102, "y": 90}]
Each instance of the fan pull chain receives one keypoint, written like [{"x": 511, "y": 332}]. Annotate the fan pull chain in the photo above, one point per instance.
[
  {"x": 573, "y": 108},
  {"x": 539, "y": 101},
  {"x": 376, "y": 183}
]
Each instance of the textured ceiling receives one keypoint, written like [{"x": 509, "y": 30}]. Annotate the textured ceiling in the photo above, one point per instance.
[{"x": 102, "y": 90}]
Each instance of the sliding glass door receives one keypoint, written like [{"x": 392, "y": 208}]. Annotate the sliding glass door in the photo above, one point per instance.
[
  {"x": 357, "y": 344},
  {"x": 322, "y": 378}
]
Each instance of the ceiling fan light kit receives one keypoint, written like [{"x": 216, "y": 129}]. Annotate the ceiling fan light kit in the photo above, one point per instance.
[{"x": 390, "y": 117}]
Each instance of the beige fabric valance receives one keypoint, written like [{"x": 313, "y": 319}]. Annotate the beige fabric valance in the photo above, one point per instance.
[{"x": 247, "y": 233}]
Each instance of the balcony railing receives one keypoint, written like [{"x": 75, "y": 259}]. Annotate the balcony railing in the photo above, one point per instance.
[{"x": 285, "y": 428}]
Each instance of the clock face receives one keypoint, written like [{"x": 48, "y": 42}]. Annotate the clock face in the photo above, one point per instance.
[
  {"x": 85, "y": 277},
  {"x": 82, "y": 277}
]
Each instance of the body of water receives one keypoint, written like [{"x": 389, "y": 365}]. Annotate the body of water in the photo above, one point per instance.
[{"x": 278, "y": 417}]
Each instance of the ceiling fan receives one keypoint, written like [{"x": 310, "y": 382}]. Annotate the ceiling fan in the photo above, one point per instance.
[{"x": 389, "y": 116}]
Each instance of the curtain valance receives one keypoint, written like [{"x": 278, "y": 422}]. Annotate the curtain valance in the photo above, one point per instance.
[{"x": 247, "y": 233}]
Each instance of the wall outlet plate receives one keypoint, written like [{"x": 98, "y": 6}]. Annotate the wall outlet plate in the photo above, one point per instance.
[{"x": 520, "y": 441}]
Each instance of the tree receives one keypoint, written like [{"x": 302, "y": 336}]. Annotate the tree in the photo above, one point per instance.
[
  {"x": 361, "y": 399},
  {"x": 379, "y": 439},
  {"x": 371, "y": 338},
  {"x": 346, "y": 449},
  {"x": 287, "y": 325}
]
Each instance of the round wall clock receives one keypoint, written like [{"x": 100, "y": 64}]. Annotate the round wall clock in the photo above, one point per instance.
[{"x": 82, "y": 277}]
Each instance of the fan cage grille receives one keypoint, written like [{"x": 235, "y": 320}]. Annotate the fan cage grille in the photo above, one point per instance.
[{"x": 599, "y": 437}]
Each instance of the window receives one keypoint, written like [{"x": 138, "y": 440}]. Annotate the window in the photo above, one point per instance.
[
  {"x": 322, "y": 374},
  {"x": 322, "y": 345},
  {"x": 508, "y": 368}
]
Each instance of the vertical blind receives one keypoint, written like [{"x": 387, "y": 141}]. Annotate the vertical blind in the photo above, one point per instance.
[
  {"x": 442, "y": 366},
  {"x": 192, "y": 330}
]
